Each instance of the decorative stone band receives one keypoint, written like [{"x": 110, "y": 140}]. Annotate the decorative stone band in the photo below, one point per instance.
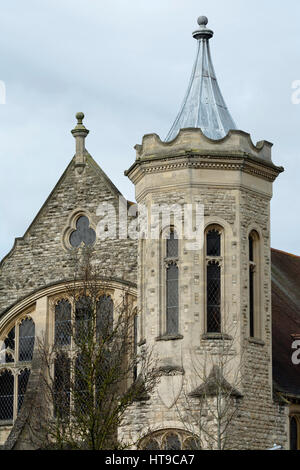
[{"x": 245, "y": 163}]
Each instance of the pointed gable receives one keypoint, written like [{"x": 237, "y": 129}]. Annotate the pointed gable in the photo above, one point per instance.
[{"x": 41, "y": 257}]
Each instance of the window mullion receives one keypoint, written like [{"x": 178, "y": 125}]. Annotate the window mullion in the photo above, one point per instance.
[{"x": 15, "y": 406}]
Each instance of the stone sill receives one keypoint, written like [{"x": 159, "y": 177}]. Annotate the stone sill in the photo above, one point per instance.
[
  {"x": 216, "y": 337},
  {"x": 169, "y": 338},
  {"x": 260, "y": 342},
  {"x": 6, "y": 423}
]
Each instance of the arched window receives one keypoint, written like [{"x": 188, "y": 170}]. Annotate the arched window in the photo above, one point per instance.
[
  {"x": 26, "y": 340},
  {"x": 83, "y": 394},
  {"x": 90, "y": 320},
  {"x": 83, "y": 233},
  {"x": 172, "y": 245},
  {"x": 213, "y": 243},
  {"x": 17, "y": 347},
  {"x": 63, "y": 323},
  {"x": 6, "y": 395},
  {"x": 135, "y": 343},
  {"x": 23, "y": 378},
  {"x": 294, "y": 433},
  {"x": 213, "y": 280},
  {"x": 172, "y": 442},
  {"x": 105, "y": 316},
  {"x": 151, "y": 444},
  {"x": 62, "y": 384},
  {"x": 169, "y": 440},
  {"x": 213, "y": 297},
  {"x": 172, "y": 288},
  {"x": 254, "y": 287},
  {"x": 83, "y": 318},
  {"x": 191, "y": 444},
  {"x": 7, "y": 351}
]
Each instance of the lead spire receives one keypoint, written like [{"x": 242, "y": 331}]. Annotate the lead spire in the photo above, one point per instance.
[{"x": 203, "y": 106}]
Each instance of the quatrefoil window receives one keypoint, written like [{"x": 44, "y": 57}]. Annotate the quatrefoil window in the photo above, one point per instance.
[{"x": 83, "y": 233}]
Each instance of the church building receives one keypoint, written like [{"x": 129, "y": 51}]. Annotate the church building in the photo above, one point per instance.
[{"x": 219, "y": 309}]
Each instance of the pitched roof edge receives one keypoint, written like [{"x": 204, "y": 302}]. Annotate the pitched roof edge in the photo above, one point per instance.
[
  {"x": 285, "y": 253},
  {"x": 95, "y": 166}
]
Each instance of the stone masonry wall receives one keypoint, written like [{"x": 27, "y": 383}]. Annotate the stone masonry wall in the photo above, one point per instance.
[
  {"x": 39, "y": 259},
  {"x": 260, "y": 421}
]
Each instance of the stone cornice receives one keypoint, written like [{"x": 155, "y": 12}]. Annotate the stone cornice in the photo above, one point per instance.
[{"x": 245, "y": 163}]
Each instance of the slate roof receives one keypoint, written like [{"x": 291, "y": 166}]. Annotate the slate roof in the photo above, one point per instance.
[{"x": 286, "y": 320}]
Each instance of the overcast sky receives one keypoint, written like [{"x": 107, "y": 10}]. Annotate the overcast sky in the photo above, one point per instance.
[{"x": 126, "y": 65}]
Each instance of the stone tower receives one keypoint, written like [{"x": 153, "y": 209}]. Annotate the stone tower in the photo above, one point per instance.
[{"x": 205, "y": 303}]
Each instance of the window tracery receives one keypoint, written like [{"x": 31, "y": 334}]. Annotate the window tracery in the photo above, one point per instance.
[
  {"x": 171, "y": 439},
  {"x": 16, "y": 353}
]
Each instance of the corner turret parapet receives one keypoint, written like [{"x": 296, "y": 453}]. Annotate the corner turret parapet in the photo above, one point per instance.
[{"x": 193, "y": 141}]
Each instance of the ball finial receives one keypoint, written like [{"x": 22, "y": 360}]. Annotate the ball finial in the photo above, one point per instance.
[
  {"x": 202, "y": 21},
  {"x": 79, "y": 117}
]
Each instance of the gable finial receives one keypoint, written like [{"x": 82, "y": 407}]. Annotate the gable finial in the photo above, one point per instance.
[{"x": 80, "y": 132}]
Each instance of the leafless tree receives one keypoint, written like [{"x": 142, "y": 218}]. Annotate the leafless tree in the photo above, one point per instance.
[
  {"x": 88, "y": 375},
  {"x": 222, "y": 377}
]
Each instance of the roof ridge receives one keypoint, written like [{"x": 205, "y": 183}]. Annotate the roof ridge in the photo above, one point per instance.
[{"x": 285, "y": 253}]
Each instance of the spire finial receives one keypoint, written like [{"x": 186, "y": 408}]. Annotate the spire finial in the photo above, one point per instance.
[
  {"x": 80, "y": 132},
  {"x": 202, "y": 20},
  {"x": 79, "y": 117},
  {"x": 203, "y": 32}
]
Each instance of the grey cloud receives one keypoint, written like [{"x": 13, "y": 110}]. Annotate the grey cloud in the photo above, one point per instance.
[{"x": 127, "y": 66}]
